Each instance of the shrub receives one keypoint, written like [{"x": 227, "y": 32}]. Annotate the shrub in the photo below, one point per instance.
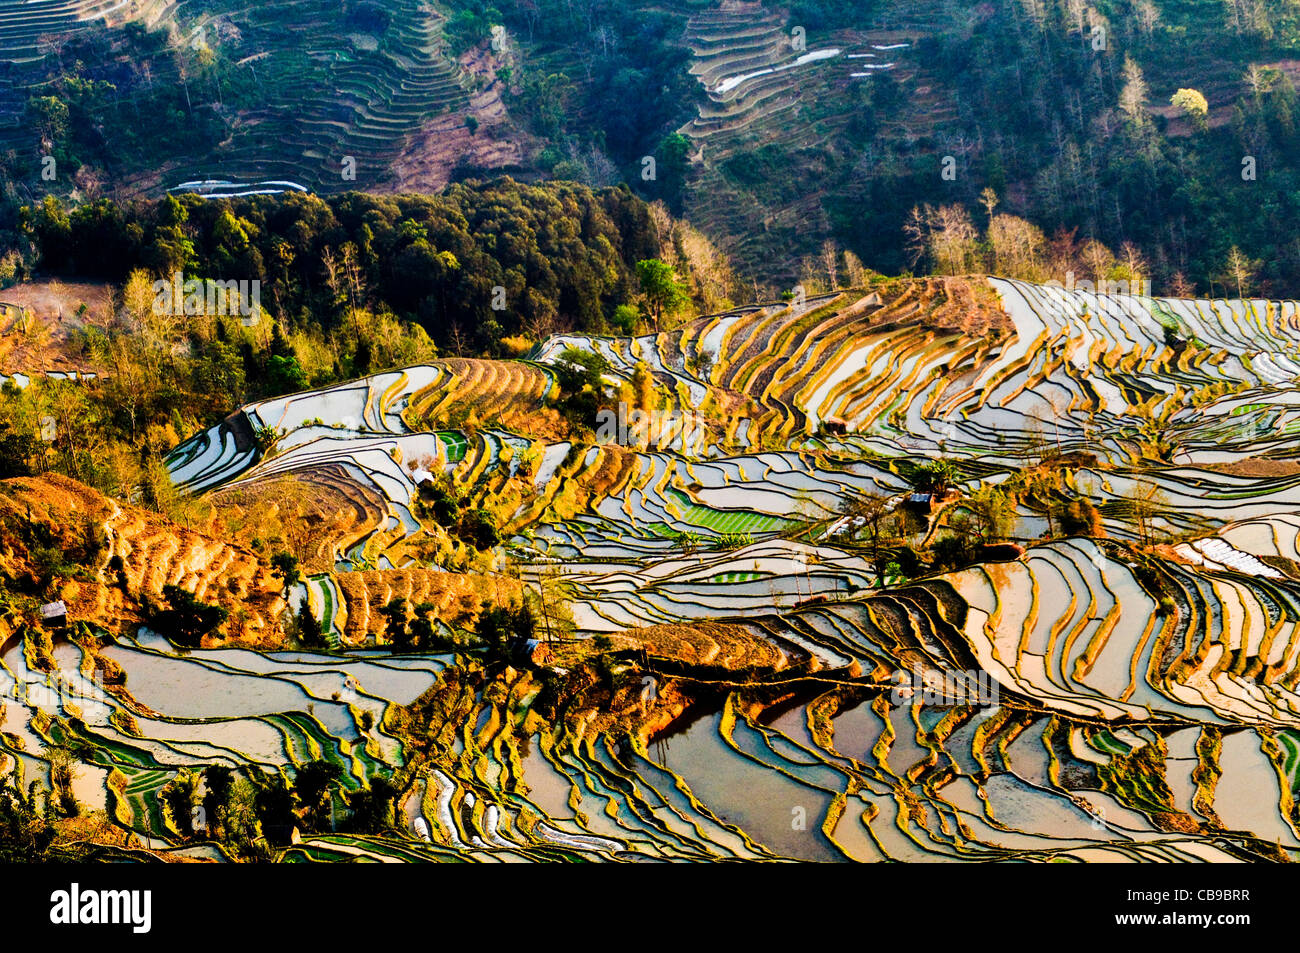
[{"x": 187, "y": 620}]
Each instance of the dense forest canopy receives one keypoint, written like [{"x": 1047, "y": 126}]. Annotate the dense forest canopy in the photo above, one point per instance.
[
  {"x": 325, "y": 290},
  {"x": 1067, "y": 109},
  {"x": 1054, "y": 104},
  {"x": 470, "y": 266}
]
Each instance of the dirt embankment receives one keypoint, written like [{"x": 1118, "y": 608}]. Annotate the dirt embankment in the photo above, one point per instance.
[
  {"x": 433, "y": 152},
  {"x": 965, "y": 303},
  {"x": 107, "y": 558},
  {"x": 41, "y": 324}
]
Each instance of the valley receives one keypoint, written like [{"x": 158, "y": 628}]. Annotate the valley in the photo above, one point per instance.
[{"x": 753, "y": 607}]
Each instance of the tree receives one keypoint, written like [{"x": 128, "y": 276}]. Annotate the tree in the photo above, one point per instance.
[
  {"x": 218, "y": 782},
  {"x": 26, "y": 834},
  {"x": 1041, "y": 487},
  {"x": 310, "y": 632},
  {"x": 1143, "y": 502},
  {"x": 989, "y": 199},
  {"x": 992, "y": 510},
  {"x": 642, "y": 388},
  {"x": 241, "y": 820},
  {"x": 1194, "y": 107},
  {"x": 1081, "y": 518},
  {"x": 1017, "y": 247},
  {"x": 396, "y": 631},
  {"x": 830, "y": 262},
  {"x": 187, "y": 620},
  {"x": 17, "y": 449},
  {"x": 1133, "y": 94},
  {"x": 49, "y": 117},
  {"x": 63, "y": 769},
  {"x": 664, "y": 295},
  {"x": 951, "y": 551},
  {"x": 1098, "y": 258},
  {"x": 506, "y": 631},
  {"x": 423, "y": 632},
  {"x": 179, "y": 797},
  {"x": 285, "y": 375},
  {"x": 285, "y": 566},
  {"x": 875, "y": 511},
  {"x": 313, "y": 784},
  {"x": 479, "y": 528},
  {"x": 1147, "y": 16},
  {"x": 273, "y": 803},
  {"x": 934, "y": 476},
  {"x": 855, "y": 270},
  {"x": 551, "y": 600},
  {"x": 946, "y": 234},
  {"x": 372, "y": 807},
  {"x": 1239, "y": 269}
]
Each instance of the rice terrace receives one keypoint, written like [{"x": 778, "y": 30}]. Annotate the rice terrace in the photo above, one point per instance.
[
  {"x": 737, "y": 621},
  {"x": 701, "y": 431}
]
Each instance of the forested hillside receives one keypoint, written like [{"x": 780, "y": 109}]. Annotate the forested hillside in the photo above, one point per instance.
[{"x": 1166, "y": 124}]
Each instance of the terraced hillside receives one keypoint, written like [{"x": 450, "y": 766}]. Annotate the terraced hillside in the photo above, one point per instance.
[
  {"x": 961, "y": 569},
  {"x": 774, "y": 98},
  {"x": 290, "y": 96},
  {"x": 29, "y": 28}
]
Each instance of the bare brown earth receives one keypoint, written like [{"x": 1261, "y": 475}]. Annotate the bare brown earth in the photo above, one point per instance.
[
  {"x": 733, "y": 647},
  {"x": 1256, "y": 467},
  {"x": 91, "y": 529},
  {"x": 312, "y": 519},
  {"x": 648, "y": 705},
  {"x": 457, "y": 598},
  {"x": 964, "y": 303},
  {"x": 434, "y": 151},
  {"x": 47, "y": 339}
]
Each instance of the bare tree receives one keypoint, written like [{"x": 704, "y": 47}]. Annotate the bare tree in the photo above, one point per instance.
[
  {"x": 456, "y": 339},
  {"x": 989, "y": 199},
  {"x": 830, "y": 261},
  {"x": 1133, "y": 95},
  {"x": 1240, "y": 269}
]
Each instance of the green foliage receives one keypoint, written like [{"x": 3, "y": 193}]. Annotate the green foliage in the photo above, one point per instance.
[
  {"x": 218, "y": 782},
  {"x": 179, "y": 796},
  {"x": 625, "y": 320},
  {"x": 479, "y": 529},
  {"x": 951, "y": 551},
  {"x": 274, "y": 805},
  {"x": 1080, "y": 518},
  {"x": 559, "y": 250},
  {"x": 285, "y": 375},
  {"x": 440, "y": 502},
  {"x": 506, "y": 631},
  {"x": 313, "y": 785},
  {"x": 27, "y": 835},
  {"x": 372, "y": 807},
  {"x": 396, "y": 630},
  {"x": 412, "y": 630},
  {"x": 285, "y": 566},
  {"x": 934, "y": 476},
  {"x": 725, "y": 541},
  {"x": 663, "y": 293},
  {"x": 186, "y": 620},
  {"x": 1190, "y": 101},
  {"x": 310, "y": 632}
]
